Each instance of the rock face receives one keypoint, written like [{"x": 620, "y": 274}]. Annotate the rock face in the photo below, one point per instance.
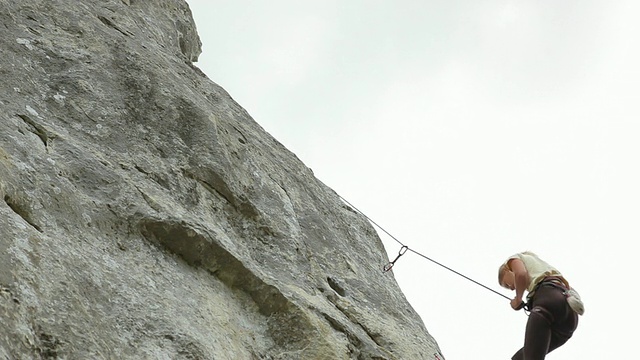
[{"x": 145, "y": 215}]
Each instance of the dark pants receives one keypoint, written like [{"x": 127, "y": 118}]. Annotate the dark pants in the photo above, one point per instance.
[{"x": 551, "y": 323}]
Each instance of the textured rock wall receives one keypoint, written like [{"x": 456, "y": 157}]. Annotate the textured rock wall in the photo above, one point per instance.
[{"x": 145, "y": 215}]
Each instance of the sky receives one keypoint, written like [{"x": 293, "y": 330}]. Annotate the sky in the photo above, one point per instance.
[{"x": 470, "y": 131}]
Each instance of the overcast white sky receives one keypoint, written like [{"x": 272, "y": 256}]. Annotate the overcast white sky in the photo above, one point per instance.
[{"x": 470, "y": 130}]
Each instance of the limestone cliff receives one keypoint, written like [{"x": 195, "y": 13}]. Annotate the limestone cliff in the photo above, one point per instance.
[{"x": 146, "y": 215}]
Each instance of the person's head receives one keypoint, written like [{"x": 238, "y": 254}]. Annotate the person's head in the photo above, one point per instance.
[{"x": 506, "y": 277}]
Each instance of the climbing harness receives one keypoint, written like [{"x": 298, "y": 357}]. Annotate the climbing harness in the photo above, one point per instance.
[{"x": 405, "y": 248}]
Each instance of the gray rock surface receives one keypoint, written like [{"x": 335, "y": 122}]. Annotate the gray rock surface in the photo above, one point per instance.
[{"x": 146, "y": 215}]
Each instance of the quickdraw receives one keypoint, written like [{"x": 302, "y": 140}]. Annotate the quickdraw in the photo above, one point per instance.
[{"x": 390, "y": 264}]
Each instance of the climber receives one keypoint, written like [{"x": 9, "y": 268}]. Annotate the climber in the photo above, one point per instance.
[{"x": 554, "y": 306}]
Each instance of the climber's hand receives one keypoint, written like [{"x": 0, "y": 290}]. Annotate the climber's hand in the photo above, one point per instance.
[{"x": 517, "y": 304}]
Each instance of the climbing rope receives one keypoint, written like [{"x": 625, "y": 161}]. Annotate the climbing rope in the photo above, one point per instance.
[{"x": 405, "y": 248}]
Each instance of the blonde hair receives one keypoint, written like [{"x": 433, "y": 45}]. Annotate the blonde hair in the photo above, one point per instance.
[{"x": 501, "y": 270}]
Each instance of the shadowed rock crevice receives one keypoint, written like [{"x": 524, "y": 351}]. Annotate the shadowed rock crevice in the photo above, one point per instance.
[
  {"x": 336, "y": 286},
  {"x": 22, "y": 209},
  {"x": 198, "y": 250},
  {"x": 36, "y": 128},
  {"x": 290, "y": 327},
  {"x": 110, "y": 23}
]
